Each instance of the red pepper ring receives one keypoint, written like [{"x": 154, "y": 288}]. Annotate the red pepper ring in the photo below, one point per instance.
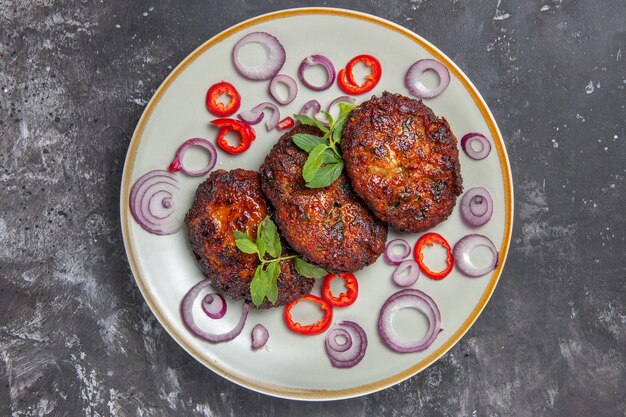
[
  {"x": 311, "y": 329},
  {"x": 346, "y": 79},
  {"x": 216, "y": 107},
  {"x": 430, "y": 239},
  {"x": 345, "y": 298},
  {"x": 245, "y": 132}
]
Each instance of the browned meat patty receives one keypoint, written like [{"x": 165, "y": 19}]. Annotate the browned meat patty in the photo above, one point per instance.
[
  {"x": 403, "y": 161},
  {"x": 329, "y": 226},
  {"x": 225, "y": 202}
]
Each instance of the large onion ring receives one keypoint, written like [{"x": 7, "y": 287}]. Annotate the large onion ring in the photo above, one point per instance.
[
  {"x": 275, "y": 56},
  {"x": 177, "y": 163},
  {"x": 291, "y": 86},
  {"x": 476, "y": 206},
  {"x": 462, "y": 250},
  {"x": 417, "y": 88},
  {"x": 186, "y": 309},
  {"x": 408, "y": 298},
  {"x": 471, "y": 138},
  {"x": 353, "y": 349},
  {"x": 152, "y": 202},
  {"x": 317, "y": 60}
]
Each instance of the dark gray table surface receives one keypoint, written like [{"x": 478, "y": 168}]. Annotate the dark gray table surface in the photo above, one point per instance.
[{"x": 76, "y": 337}]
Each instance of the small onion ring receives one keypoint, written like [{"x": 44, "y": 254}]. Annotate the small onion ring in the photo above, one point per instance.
[
  {"x": 317, "y": 60},
  {"x": 257, "y": 112},
  {"x": 251, "y": 118},
  {"x": 476, "y": 207},
  {"x": 214, "y": 305},
  {"x": 392, "y": 259},
  {"x": 402, "y": 279},
  {"x": 350, "y": 353},
  {"x": 186, "y": 307},
  {"x": 408, "y": 298},
  {"x": 177, "y": 163},
  {"x": 311, "y": 105},
  {"x": 466, "y": 144},
  {"x": 417, "y": 88},
  {"x": 275, "y": 56},
  {"x": 260, "y": 335},
  {"x": 462, "y": 250},
  {"x": 291, "y": 86},
  {"x": 144, "y": 202},
  {"x": 320, "y": 117}
]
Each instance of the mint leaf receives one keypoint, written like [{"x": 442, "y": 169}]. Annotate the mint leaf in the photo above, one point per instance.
[
  {"x": 331, "y": 121},
  {"x": 245, "y": 243},
  {"x": 330, "y": 157},
  {"x": 273, "y": 271},
  {"x": 259, "y": 286},
  {"x": 326, "y": 175},
  {"x": 307, "y": 142},
  {"x": 313, "y": 162},
  {"x": 344, "y": 114},
  {"x": 271, "y": 237},
  {"x": 309, "y": 121},
  {"x": 308, "y": 270}
]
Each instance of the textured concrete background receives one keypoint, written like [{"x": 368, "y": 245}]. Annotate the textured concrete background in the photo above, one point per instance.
[{"x": 76, "y": 337}]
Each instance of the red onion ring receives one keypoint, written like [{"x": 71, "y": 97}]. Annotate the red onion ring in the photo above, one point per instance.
[
  {"x": 389, "y": 256},
  {"x": 408, "y": 298},
  {"x": 291, "y": 86},
  {"x": 476, "y": 207},
  {"x": 317, "y": 60},
  {"x": 257, "y": 112},
  {"x": 214, "y": 305},
  {"x": 260, "y": 335},
  {"x": 152, "y": 202},
  {"x": 341, "y": 99},
  {"x": 250, "y": 117},
  {"x": 403, "y": 279},
  {"x": 275, "y": 56},
  {"x": 177, "y": 163},
  {"x": 417, "y": 88},
  {"x": 469, "y": 139},
  {"x": 311, "y": 105},
  {"x": 462, "y": 250},
  {"x": 186, "y": 309},
  {"x": 351, "y": 352}
]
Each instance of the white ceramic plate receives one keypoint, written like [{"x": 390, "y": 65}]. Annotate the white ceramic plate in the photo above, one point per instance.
[{"x": 294, "y": 366}]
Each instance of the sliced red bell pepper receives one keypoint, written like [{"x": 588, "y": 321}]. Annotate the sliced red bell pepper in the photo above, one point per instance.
[
  {"x": 215, "y": 106},
  {"x": 345, "y": 298},
  {"x": 430, "y": 239},
  {"x": 346, "y": 78},
  {"x": 286, "y": 123},
  {"x": 245, "y": 132},
  {"x": 309, "y": 329}
]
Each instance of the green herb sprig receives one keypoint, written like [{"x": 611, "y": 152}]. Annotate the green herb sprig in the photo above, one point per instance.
[
  {"x": 268, "y": 248},
  {"x": 325, "y": 163}
]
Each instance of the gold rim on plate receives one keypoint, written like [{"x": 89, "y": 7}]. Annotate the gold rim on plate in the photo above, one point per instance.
[{"x": 317, "y": 394}]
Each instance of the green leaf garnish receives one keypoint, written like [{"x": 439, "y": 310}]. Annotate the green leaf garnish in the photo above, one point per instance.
[
  {"x": 308, "y": 270},
  {"x": 313, "y": 162},
  {"x": 307, "y": 142},
  {"x": 324, "y": 163},
  {"x": 326, "y": 175},
  {"x": 264, "y": 284},
  {"x": 309, "y": 121},
  {"x": 245, "y": 243}
]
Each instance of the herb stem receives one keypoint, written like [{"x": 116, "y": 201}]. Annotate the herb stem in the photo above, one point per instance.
[{"x": 282, "y": 258}]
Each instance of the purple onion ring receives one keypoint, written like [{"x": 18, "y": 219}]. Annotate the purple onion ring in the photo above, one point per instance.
[
  {"x": 462, "y": 250},
  {"x": 260, "y": 335},
  {"x": 356, "y": 342},
  {"x": 317, "y": 60},
  {"x": 476, "y": 207},
  {"x": 291, "y": 86},
  {"x": 471, "y": 138},
  {"x": 417, "y": 88},
  {"x": 403, "y": 279},
  {"x": 214, "y": 305},
  {"x": 389, "y": 256},
  {"x": 275, "y": 56},
  {"x": 144, "y": 202},
  {"x": 202, "y": 143}
]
